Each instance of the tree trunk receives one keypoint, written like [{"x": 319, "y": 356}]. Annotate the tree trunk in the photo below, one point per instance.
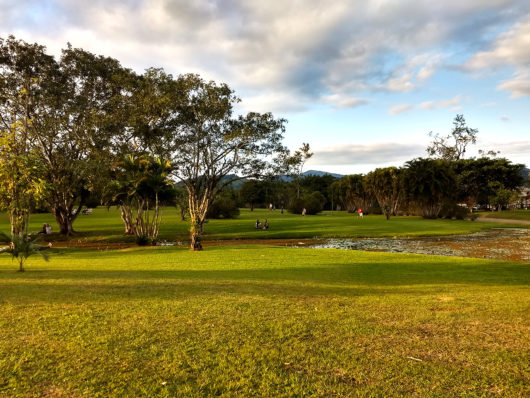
[
  {"x": 17, "y": 220},
  {"x": 251, "y": 206},
  {"x": 65, "y": 221},
  {"x": 127, "y": 218},
  {"x": 21, "y": 264},
  {"x": 196, "y": 229}
]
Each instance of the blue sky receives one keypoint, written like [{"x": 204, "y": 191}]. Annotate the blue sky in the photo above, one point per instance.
[{"x": 363, "y": 82}]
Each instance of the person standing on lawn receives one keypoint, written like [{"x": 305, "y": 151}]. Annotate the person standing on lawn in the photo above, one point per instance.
[{"x": 360, "y": 211}]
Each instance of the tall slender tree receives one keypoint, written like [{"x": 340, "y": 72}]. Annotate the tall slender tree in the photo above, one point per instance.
[{"x": 209, "y": 143}]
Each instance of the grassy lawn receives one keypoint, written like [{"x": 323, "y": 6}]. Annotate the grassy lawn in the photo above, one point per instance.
[
  {"x": 106, "y": 225},
  {"x": 263, "y": 321},
  {"x": 508, "y": 214}
]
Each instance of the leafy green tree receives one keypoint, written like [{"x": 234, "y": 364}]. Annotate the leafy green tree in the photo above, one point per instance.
[
  {"x": 22, "y": 68},
  {"x": 350, "y": 193},
  {"x": 385, "y": 184},
  {"x": 251, "y": 192},
  {"x": 139, "y": 186},
  {"x": 71, "y": 126},
  {"x": 479, "y": 179},
  {"x": 429, "y": 183},
  {"x": 209, "y": 144},
  {"x": 454, "y": 145}
]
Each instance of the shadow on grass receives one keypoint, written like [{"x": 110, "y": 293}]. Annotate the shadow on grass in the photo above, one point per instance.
[{"x": 337, "y": 280}]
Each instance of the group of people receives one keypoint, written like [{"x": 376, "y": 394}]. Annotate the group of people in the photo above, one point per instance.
[{"x": 264, "y": 226}]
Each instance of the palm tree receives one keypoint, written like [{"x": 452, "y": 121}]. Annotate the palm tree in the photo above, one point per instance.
[{"x": 22, "y": 247}]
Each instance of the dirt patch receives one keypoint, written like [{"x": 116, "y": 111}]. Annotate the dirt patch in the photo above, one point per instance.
[{"x": 511, "y": 244}]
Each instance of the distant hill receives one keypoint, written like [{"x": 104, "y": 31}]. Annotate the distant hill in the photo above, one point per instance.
[{"x": 321, "y": 173}]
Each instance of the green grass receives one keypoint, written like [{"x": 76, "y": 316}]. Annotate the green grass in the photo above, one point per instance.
[
  {"x": 508, "y": 214},
  {"x": 263, "y": 321},
  {"x": 106, "y": 225}
]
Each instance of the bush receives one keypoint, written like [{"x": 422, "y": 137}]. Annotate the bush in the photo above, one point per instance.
[
  {"x": 452, "y": 210},
  {"x": 223, "y": 207},
  {"x": 296, "y": 206},
  {"x": 313, "y": 203}
]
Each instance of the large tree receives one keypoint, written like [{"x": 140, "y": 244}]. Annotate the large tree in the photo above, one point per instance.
[
  {"x": 74, "y": 133},
  {"x": 350, "y": 192},
  {"x": 23, "y": 67},
  {"x": 429, "y": 182},
  {"x": 385, "y": 184},
  {"x": 209, "y": 143}
]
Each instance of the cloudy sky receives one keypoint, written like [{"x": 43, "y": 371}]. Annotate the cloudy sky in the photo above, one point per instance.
[{"x": 363, "y": 82}]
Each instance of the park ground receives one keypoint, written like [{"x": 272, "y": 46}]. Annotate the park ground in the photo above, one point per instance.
[{"x": 259, "y": 320}]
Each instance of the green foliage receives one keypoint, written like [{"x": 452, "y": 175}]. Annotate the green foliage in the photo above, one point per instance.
[
  {"x": 479, "y": 179},
  {"x": 313, "y": 203},
  {"x": 224, "y": 206},
  {"x": 141, "y": 184},
  {"x": 386, "y": 186},
  {"x": 351, "y": 193},
  {"x": 430, "y": 183},
  {"x": 21, "y": 247},
  {"x": 453, "y": 146}
]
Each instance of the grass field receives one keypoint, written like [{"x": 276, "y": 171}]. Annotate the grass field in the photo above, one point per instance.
[
  {"x": 263, "y": 321},
  {"x": 508, "y": 214},
  {"x": 106, "y": 225},
  {"x": 243, "y": 320}
]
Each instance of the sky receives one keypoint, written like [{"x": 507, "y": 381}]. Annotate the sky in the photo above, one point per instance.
[{"x": 363, "y": 82}]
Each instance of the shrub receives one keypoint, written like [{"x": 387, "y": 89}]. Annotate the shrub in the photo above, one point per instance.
[
  {"x": 223, "y": 207},
  {"x": 452, "y": 210},
  {"x": 313, "y": 203}
]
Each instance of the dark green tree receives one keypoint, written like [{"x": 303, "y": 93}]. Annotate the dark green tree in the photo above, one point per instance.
[
  {"x": 385, "y": 184},
  {"x": 429, "y": 183}
]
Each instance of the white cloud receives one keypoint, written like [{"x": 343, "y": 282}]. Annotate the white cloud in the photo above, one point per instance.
[
  {"x": 270, "y": 51},
  {"x": 401, "y": 108},
  {"x": 512, "y": 48},
  {"x": 342, "y": 101},
  {"x": 450, "y": 103},
  {"x": 519, "y": 86},
  {"x": 353, "y": 154}
]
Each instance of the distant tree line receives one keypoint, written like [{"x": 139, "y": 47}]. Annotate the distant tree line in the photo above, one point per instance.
[{"x": 444, "y": 185}]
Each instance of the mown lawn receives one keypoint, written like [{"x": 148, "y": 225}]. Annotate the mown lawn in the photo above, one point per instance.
[
  {"x": 106, "y": 225},
  {"x": 508, "y": 214},
  {"x": 263, "y": 321}
]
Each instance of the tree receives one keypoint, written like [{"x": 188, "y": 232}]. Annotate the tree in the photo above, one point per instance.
[
  {"x": 478, "y": 179},
  {"x": 429, "y": 182},
  {"x": 22, "y": 68},
  {"x": 295, "y": 164},
  {"x": 385, "y": 185},
  {"x": 22, "y": 247},
  {"x": 453, "y": 146},
  {"x": 72, "y": 133},
  {"x": 251, "y": 192},
  {"x": 350, "y": 192},
  {"x": 209, "y": 143},
  {"x": 140, "y": 184}
]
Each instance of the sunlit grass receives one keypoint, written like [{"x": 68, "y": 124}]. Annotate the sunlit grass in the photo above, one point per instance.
[
  {"x": 263, "y": 321},
  {"x": 106, "y": 225},
  {"x": 508, "y": 214}
]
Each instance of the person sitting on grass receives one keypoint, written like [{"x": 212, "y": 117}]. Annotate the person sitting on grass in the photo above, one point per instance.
[
  {"x": 258, "y": 224},
  {"x": 265, "y": 224}
]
